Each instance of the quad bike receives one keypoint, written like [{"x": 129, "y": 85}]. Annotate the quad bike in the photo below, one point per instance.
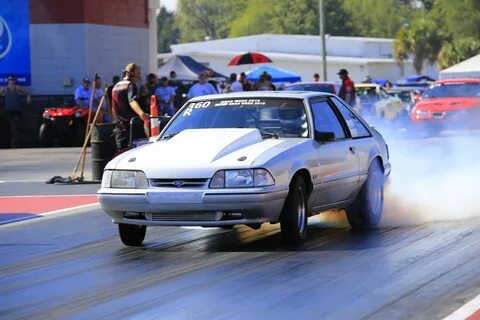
[{"x": 67, "y": 125}]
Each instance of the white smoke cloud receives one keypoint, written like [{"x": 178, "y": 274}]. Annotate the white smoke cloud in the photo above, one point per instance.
[{"x": 433, "y": 180}]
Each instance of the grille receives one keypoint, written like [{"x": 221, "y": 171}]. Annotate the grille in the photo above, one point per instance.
[
  {"x": 179, "y": 183},
  {"x": 184, "y": 216}
]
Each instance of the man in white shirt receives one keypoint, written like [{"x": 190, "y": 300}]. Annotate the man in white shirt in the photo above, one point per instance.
[{"x": 202, "y": 88}]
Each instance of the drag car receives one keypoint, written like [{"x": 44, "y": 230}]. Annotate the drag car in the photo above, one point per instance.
[
  {"x": 317, "y": 86},
  {"x": 67, "y": 125},
  {"x": 449, "y": 104},
  {"x": 250, "y": 158},
  {"x": 374, "y": 101}
]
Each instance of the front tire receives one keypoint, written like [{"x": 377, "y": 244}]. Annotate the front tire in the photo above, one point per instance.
[
  {"x": 366, "y": 211},
  {"x": 132, "y": 235},
  {"x": 294, "y": 216},
  {"x": 45, "y": 136}
]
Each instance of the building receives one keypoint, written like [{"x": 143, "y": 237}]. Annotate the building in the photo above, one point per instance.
[
  {"x": 56, "y": 43},
  {"x": 302, "y": 54}
]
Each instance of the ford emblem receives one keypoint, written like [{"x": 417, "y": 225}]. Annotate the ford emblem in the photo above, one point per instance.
[{"x": 178, "y": 183}]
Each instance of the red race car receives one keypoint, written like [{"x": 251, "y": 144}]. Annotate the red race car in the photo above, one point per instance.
[{"x": 449, "y": 104}]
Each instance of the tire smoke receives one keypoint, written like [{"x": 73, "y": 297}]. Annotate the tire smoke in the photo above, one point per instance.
[{"x": 432, "y": 179}]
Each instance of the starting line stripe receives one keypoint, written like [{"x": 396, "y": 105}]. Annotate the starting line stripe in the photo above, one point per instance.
[
  {"x": 47, "y": 213},
  {"x": 470, "y": 311}
]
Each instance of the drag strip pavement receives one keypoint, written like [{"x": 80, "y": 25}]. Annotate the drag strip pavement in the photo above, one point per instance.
[
  {"x": 74, "y": 266},
  {"x": 17, "y": 208}
]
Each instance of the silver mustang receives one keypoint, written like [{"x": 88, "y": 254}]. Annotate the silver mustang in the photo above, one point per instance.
[{"x": 249, "y": 158}]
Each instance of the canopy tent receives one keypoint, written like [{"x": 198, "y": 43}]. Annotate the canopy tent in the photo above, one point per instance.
[
  {"x": 277, "y": 74},
  {"x": 469, "y": 68},
  {"x": 187, "y": 68}
]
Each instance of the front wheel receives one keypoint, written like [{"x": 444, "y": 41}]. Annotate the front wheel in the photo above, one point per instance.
[
  {"x": 366, "y": 211},
  {"x": 45, "y": 135},
  {"x": 132, "y": 235},
  {"x": 294, "y": 216}
]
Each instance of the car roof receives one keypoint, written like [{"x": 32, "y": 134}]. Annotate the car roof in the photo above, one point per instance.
[
  {"x": 311, "y": 83},
  {"x": 367, "y": 85},
  {"x": 265, "y": 94},
  {"x": 459, "y": 80}
]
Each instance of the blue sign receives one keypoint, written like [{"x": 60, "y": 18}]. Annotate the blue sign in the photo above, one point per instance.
[{"x": 15, "y": 41}]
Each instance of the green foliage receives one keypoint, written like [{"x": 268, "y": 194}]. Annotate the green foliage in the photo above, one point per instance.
[
  {"x": 256, "y": 19},
  {"x": 167, "y": 33},
  {"x": 198, "y": 19},
  {"x": 295, "y": 17},
  {"x": 380, "y": 19},
  {"x": 423, "y": 39},
  {"x": 457, "y": 51},
  {"x": 460, "y": 18}
]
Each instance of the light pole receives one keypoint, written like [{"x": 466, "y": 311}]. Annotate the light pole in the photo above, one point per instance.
[{"x": 321, "y": 15}]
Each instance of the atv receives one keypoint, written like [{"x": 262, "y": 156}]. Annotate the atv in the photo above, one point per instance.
[{"x": 65, "y": 126}]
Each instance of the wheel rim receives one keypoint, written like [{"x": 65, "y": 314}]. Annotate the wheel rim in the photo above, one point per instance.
[
  {"x": 301, "y": 216},
  {"x": 375, "y": 191}
]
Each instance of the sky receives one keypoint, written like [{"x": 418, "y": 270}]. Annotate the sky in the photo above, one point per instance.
[{"x": 171, "y": 5}]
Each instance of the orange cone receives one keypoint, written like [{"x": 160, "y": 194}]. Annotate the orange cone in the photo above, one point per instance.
[{"x": 154, "y": 121}]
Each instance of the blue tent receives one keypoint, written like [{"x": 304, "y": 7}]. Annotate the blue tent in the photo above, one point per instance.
[{"x": 278, "y": 75}]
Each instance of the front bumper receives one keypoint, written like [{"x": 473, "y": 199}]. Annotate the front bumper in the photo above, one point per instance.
[{"x": 193, "y": 207}]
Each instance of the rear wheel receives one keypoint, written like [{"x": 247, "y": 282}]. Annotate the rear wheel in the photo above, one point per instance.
[
  {"x": 132, "y": 235},
  {"x": 366, "y": 211},
  {"x": 294, "y": 217},
  {"x": 45, "y": 135}
]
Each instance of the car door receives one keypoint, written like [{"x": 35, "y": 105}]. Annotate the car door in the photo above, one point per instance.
[{"x": 337, "y": 173}]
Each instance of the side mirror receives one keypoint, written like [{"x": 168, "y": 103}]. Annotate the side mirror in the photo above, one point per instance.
[{"x": 324, "y": 136}]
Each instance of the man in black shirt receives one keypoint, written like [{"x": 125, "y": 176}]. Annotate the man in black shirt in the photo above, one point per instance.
[{"x": 125, "y": 107}]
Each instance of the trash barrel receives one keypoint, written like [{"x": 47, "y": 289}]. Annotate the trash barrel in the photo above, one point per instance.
[{"x": 103, "y": 148}]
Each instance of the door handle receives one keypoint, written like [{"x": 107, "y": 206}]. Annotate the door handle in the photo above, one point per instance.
[{"x": 353, "y": 149}]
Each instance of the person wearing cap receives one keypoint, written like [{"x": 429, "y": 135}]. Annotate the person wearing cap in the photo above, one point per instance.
[
  {"x": 316, "y": 77},
  {"x": 83, "y": 93},
  {"x": 347, "y": 90},
  {"x": 125, "y": 107},
  {"x": 13, "y": 105},
  {"x": 202, "y": 88},
  {"x": 165, "y": 97}
]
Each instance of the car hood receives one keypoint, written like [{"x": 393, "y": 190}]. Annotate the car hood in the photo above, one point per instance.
[
  {"x": 198, "y": 153},
  {"x": 448, "y": 104}
]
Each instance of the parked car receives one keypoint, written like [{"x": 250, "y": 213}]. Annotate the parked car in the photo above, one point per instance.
[
  {"x": 374, "y": 101},
  {"x": 329, "y": 87},
  {"x": 406, "y": 95},
  {"x": 250, "y": 158},
  {"x": 449, "y": 104}
]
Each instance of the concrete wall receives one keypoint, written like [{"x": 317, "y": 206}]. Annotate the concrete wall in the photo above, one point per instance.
[{"x": 63, "y": 51}]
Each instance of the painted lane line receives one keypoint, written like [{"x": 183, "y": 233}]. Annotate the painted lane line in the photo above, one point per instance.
[
  {"x": 470, "y": 311},
  {"x": 49, "y": 195},
  {"x": 38, "y": 215}
]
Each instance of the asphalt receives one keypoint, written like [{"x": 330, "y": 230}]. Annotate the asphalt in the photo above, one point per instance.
[{"x": 72, "y": 265}]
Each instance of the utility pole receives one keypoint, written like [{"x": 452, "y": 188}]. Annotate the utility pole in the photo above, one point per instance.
[{"x": 321, "y": 15}]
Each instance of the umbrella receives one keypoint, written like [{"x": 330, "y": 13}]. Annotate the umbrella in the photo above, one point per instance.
[{"x": 249, "y": 58}]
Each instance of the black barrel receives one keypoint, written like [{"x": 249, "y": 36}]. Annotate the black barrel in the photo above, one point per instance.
[{"x": 103, "y": 148}]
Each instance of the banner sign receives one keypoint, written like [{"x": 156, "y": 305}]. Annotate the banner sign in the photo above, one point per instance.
[{"x": 15, "y": 41}]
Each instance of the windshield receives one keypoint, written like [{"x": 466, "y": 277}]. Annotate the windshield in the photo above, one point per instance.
[
  {"x": 453, "y": 90},
  {"x": 284, "y": 118},
  {"x": 405, "y": 96},
  {"x": 305, "y": 87}
]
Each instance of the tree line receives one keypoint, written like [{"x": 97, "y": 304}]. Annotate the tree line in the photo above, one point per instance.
[{"x": 436, "y": 31}]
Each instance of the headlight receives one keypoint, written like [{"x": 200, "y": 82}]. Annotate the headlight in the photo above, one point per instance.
[
  {"x": 422, "y": 113},
  {"x": 106, "y": 178},
  {"x": 125, "y": 179},
  {"x": 242, "y": 178}
]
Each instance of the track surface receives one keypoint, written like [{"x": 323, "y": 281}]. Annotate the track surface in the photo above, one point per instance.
[{"x": 72, "y": 265}]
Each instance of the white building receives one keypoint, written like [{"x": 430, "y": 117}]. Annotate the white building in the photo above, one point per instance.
[{"x": 302, "y": 54}]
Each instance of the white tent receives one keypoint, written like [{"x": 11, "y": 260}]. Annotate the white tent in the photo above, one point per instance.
[{"x": 469, "y": 68}]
